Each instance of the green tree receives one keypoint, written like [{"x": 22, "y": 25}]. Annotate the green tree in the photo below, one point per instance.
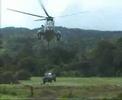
[
  {"x": 103, "y": 57},
  {"x": 118, "y": 58}
]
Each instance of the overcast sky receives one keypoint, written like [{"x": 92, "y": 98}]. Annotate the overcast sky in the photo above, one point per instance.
[{"x": 97, "y": 14}]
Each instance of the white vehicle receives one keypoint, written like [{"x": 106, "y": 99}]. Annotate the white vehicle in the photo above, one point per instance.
[{"x": 49, "y": 77}]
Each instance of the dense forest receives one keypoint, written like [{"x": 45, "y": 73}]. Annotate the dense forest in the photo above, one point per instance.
[{"x": 81, "y": 53}]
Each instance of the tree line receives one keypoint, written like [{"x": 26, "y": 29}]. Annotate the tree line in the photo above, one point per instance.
[{"x": 77, "y": 55}]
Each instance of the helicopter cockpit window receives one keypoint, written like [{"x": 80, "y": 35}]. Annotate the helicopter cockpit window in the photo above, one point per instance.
[{"x": 50, "y": 25}]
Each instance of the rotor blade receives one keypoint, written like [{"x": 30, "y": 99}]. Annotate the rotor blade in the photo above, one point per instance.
[
  {"x": 44, "y": 8},
  {"x": 26, "y": 13},
  {"x": 39, "y": 19},
  {"x": 72, "y": 14}
]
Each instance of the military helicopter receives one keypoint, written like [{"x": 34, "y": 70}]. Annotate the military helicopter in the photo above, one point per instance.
[{"x": 47, "y": 31}]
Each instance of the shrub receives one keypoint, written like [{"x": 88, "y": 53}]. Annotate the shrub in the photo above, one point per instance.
[
  {"x": 7, "y": 77},
  {"x": 22, "y": 75}
]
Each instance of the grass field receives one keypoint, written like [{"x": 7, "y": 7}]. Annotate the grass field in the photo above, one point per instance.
[{"x": 64, "y": 89}]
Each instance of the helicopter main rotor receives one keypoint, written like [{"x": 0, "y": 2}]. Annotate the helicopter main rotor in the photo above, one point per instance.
[{"x": 47, "y": 17}]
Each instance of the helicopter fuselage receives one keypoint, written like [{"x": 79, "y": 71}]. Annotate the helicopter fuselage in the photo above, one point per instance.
[
  {"x": 48, "y": 33},
  {"x": 49, "y": 25}
]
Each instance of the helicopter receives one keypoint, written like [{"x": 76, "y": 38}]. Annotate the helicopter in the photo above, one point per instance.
[{"x": 47, "y": 31}]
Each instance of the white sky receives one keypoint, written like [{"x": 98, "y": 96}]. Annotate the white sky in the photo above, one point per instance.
[{"x": 100, "y": 14}]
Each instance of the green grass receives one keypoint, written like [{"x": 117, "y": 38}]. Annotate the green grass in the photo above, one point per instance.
[
  {"x": 80, "y": 82},
  {"x": 64, "y": 88}
]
